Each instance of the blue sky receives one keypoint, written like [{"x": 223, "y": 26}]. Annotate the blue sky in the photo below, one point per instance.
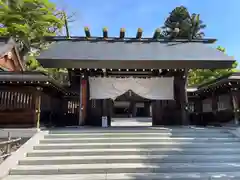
[{"x": 220, "y": 16}]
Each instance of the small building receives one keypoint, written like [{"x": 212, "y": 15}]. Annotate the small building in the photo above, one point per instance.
[
  {"x": 217, "y": 102},
  {"x": 103, "y": 69},
  {"x": 10, "y": 58},
  {"x": 32, "y": 99}
]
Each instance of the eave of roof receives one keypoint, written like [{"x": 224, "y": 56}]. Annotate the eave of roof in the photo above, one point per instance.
[
  {"x": 31, "y": 78},
  {"x": 228, "y": 77},
  {"x": 105, "y": 53}
]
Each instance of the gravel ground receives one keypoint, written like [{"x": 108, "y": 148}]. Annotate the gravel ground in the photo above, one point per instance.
[{"x": 14, "y": 146}]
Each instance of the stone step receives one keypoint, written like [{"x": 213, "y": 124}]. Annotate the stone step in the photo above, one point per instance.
[
  {"x": 148, "y": 145},
  {"x": 137, "y": 139},
  {"x": 149, "y": 159},
  {"x": 150, "y": 134},
  {"x": 116, "y": 130},
  {"x": 132, "y": 176},
  {"x": 125, "y": 168},
  {"x": 139, "y": 151}
]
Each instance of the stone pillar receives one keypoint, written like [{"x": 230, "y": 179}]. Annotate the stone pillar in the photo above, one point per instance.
[{"x": 235, "y": 105}]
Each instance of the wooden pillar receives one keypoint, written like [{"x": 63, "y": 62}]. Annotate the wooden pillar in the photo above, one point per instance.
[
  {"x": 198, "y": 104},
  {"x": 83, "y": 99},
  {"x": 105, "y": 111},
  {"x": 37, "y": 106},
  {"x": 81, "y": 120},
  {"x": 235, "y": 105},
  {"x": 198, "y": 110},
  {"x": 106, "y": 104},
  {"x": 134, "y": 109},
  {"x": 147, "y": 108},
  {"x": 183, "y": 98},
  {"x": 214, "y": 105},
  {"x": 64, "y": 105},
  {"x": 156, "y": 113}
]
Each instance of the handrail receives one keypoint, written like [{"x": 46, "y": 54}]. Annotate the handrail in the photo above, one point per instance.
[
  {"x": 4, "y": 156},
  {"x": 8, "y": 145},
  {"x": 10, "y": 141}
]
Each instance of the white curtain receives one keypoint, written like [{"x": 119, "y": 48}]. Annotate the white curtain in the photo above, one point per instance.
[{"x": 150, "y": 88}]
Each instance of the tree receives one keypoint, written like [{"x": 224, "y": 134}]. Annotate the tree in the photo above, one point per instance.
[
  {"x": 181, "y": 24},
  {"x": 200, "y": 76},
  {"x": 28, "y": 21}
]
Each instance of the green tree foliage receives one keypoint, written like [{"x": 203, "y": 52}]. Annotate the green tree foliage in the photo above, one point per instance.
[
  {"x": 200, "y": 76},
  {"x": 28, "y": 21},
  {"x": 181, "y": 24}
]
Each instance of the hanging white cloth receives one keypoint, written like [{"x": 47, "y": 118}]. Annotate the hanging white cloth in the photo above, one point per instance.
[{"x": 150, "y": 88}]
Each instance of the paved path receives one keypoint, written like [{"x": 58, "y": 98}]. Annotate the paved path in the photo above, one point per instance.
[{"x": 138, "y": 121}]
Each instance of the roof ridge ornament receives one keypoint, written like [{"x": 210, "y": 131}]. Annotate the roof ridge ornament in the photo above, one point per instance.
[
  {"x": 122, "y": 33},
  {"x": 105, "y": 33},
  {"x": 87, "y": 32},
  {"x": 157, "y": 34},
  {"x": 139, "y": 33}
]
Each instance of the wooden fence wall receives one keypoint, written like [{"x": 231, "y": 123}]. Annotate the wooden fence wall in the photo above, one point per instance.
[{"x": 17, "y": 107}]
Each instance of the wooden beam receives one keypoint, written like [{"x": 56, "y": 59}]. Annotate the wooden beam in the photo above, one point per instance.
[
  {"x": 87, "y": 32},
  {"x": 122, "y": 33},
  {"x": 105, "y": 33},
  {"x": 139, "y": 33}
]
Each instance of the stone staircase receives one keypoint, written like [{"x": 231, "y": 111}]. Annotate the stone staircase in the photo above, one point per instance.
[{"x": 132, "y": 154}]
